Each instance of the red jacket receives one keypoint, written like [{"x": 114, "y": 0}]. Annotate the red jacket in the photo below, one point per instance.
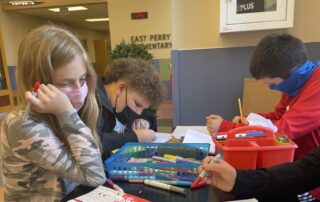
[{"x": 298, "y": 116}]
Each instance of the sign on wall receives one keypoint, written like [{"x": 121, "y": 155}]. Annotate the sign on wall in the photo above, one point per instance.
[
  {"x": 153, "y": 41},
  {"x": 248, "y": 15}
]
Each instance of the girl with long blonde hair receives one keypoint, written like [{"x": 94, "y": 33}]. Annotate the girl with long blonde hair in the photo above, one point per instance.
[{"x": 56, "y": 148}]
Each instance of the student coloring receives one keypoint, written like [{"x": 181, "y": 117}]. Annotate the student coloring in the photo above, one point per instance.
[
  {"x": 129, "y": 87},
  {"x": 281, "y": 61}
]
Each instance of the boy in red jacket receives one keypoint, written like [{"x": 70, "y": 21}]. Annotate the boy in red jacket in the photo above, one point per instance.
[{"x": 281, "y": 61}]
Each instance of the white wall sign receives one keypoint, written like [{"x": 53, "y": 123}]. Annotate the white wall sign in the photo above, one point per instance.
[{"x": 248, "y": 15}]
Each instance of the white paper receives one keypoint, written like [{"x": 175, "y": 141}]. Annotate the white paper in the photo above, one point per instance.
[
  {"x": 182, "y": 130},
  {"x": 257, "y": 120},
  {"x": 101, "y": 193},
  {"x": 193, "y": 136},
  {"x": 163, "y": 137}
]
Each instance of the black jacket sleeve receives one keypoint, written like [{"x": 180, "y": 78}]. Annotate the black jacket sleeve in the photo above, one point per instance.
[
  {"x": 113, "y": 140},
  {"x": 285, "y": 179},
  {"x": 110, "y": 139}
]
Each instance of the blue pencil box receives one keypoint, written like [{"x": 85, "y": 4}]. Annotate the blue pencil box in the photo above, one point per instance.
[{"x": 120, "y": 169}]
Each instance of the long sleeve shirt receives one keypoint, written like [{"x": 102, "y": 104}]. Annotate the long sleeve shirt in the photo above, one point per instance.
[
  {"x": 282, "y": 182},
  {"x": 297, "y": 116},
  {"x": 35, "y": 161}
]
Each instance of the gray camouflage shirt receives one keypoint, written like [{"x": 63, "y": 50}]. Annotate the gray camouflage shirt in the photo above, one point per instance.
[{"x": 35, "y": 161}]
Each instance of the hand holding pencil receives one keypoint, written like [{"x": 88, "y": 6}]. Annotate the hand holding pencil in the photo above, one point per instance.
[{"x": 241, "y": 118}]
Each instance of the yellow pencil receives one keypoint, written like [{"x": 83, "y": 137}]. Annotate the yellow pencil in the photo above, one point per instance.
[{"x": 240, "y": 109}]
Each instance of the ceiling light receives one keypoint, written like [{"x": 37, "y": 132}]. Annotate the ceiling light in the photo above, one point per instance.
[
  {"x": 72, "y": 8},
  {"x": 54, "y": 9},
  {"x": 97, "y": 19},
  {"x": 77, "y": 8},
  {"x": 22, "y": 3}
]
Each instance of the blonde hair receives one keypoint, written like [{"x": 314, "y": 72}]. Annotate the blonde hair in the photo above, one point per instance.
[{"x": 44, "y": 50}]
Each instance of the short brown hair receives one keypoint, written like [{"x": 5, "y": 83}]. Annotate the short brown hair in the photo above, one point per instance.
[
  {"x": 140, "y": 75},
  {"x": 276, "y": 55}
]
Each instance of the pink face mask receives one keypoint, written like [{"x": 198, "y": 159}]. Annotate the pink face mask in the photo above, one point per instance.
[{"x": 77, "y": 96}]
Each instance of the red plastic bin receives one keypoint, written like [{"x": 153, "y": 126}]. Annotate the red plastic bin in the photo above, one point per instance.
[{"x": 253, "y": 152}]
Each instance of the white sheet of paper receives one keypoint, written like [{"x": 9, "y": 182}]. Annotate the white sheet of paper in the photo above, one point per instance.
[
  {"x": 162, "y": 137},
  {"x": 100, "y": 193},
  {"x": 257, "y": 120},
  {"x": 193, "y": 136},
  {"x": 182, "y": 130}
]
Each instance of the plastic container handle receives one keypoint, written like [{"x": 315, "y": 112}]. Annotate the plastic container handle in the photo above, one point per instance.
[{"x": 246, "y": 129}]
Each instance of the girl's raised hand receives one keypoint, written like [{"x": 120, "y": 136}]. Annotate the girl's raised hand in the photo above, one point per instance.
[{"x": 49, "y": 100}]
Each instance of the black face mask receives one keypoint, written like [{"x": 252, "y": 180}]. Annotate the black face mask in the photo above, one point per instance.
[{"x": 127, "y": 115}]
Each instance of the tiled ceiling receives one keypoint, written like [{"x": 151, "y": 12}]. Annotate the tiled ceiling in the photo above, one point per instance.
[{"x": 76, "y": 18}]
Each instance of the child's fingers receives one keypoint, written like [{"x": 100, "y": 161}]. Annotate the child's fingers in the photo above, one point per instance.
[
  {"x": 208, "y": 180},
  {"x": 153, "y": 137},
  {"x": 53, "y": 88},
  {"x": 44, "y": 89},
  {"x": 212, "y": 116},
  {"x": 207, "y": 160},
  {"x": 219, "y": 167},
  {"x": 34, "y": 101}
]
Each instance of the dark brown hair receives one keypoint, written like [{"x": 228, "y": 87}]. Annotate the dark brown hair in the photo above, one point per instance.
[
  {"x": 140, "y": 75},
  {"x": 276, "y": 55}
]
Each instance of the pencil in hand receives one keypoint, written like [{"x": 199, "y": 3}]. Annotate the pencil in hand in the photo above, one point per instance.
[{"x": 240, "y": 109}]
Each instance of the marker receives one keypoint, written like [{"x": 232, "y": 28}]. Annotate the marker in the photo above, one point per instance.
[
  {"x": 192, "y": 161},
  {"x": 116, "y": 187},
  {"x": 183, "y": 178},
  {"x": 180, "y": 159},
  {"x": 203, "y": 174},
  {"x": 136, "y": 181},
  {"x": 34, "y": 93},
  {"x": 129, "y": 178},
  {"x": 176, "y": 182},
  {"x": 131, "y": 173},
  {"x": 165, "y": 186},
  {"x": 249, "y": 134},
  {"x": 171, "y": 160},
  {"x": 163, "y": 159}
]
